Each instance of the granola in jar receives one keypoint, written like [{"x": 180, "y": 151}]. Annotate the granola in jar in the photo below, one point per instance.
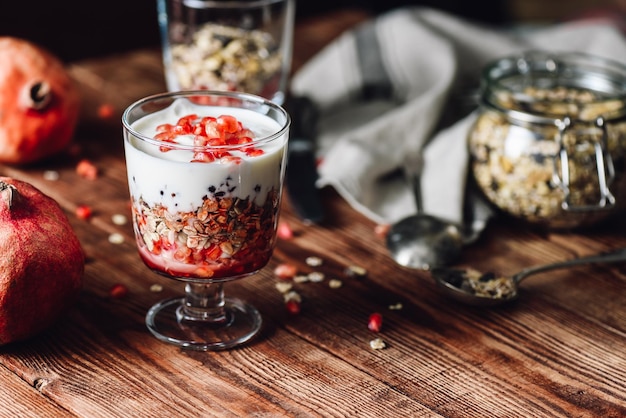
[
  {"x": 226, "y": 58},
  {"x": 549, "y": 143}
]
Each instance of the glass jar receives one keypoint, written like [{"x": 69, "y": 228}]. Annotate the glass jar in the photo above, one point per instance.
[{"x": 549, "y": 143}]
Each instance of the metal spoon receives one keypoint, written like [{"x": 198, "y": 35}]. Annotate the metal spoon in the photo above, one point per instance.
[
  {"x": 423, "y": 241},
  {"x": 473, "y": 288}
]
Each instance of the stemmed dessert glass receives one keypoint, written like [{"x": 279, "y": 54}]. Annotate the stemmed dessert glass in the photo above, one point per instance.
[{"x": 205, "y": 174}]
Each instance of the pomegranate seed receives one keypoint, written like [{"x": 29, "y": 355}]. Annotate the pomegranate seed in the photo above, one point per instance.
[
  {"x": 118, "y": 291},
  {"x": 228, "y": 124},
  {"x": 105, "y": 111},
  {"x": 293, "y": 307},
  {"x": 87, "y": 170},
  {"x": 382, "y": 230},
  {"x": 225, "y": 130},
  {"x": 284, "y": 231},
  {"x": 285, "y": 271},
  {"x": 375, "y": 322},
  {"x": 254, "y": 152},
  {"x": 83, "y": 212}
]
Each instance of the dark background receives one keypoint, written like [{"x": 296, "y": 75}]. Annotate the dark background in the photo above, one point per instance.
[{"x": 79, "y": 29}]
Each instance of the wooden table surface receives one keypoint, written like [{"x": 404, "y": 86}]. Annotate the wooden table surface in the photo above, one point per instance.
[{"x": 558, "y": 352}]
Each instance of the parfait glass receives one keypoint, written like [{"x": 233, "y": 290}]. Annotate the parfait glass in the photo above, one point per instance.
[{"x": 205, "y": 174}]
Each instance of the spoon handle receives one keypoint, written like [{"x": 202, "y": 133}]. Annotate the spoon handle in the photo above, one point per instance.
[
  {"x": 608, "y": 257},
  {"x": 413, "y": 166}
]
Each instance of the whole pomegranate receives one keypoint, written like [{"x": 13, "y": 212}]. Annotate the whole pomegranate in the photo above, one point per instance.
[
  {"x": 39, "y": 103},
  {"x": 41, "y": 261}
]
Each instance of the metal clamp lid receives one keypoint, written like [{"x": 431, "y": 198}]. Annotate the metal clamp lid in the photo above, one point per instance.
[{"x": 604, "y": 167}]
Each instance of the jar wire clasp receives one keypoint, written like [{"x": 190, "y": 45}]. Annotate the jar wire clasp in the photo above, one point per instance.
[{"x": 604, "y": 168}]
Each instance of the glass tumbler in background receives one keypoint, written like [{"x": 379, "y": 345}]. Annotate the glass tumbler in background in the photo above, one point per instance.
[{"x": 241, "y": 46}]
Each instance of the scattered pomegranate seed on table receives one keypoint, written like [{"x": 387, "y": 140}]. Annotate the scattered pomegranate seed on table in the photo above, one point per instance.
[
  {"x": 382, "y": 230},
  {"x": 83, "y": 212},
  {"x": 87, "y": 170},
  {"x": 118, "y": 291},
  {"x": 375, "y": 322},
  {"x": 284, "y": 231},
  {"x": 293, "y": 301},
  {"x": 285, "y": 271},
  {"x": 293, "y": 307},
  {"x": 105, "y": 111}
]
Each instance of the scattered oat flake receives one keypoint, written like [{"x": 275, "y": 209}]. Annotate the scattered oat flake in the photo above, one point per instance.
[
  {"x": 356, "y": 271},
  {"x": 313, "y": 261},
  {"x": 284, "y": 231},
  {"x": 396, "y": 306},
  {"x": 118, "y": 291},
  {"x": 285, "y": 271},
  {"x": 86, "y": 169},
  {"x": 116, "y": 238},
  {"x": 51, "y": 175},
  {"x": 316, "y": 276},
  {"x": 119, "y": 219},
  {"x": 378, "y": 344},
  {"x": 83, "y": 212},
  {"x": 300, "y": 278},
  {"x": 284, "y": 287},
  {"x": 292, "y": 295},
  {"x": 156, "y": 288},
  {"x": 335, "y": 283}
]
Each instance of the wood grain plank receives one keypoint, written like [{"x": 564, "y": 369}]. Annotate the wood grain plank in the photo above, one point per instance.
[
  {"x": 18, "y": 399},
  {"x": 557, "y": 352}
]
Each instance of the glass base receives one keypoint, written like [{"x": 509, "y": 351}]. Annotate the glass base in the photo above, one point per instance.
[{"x": 240, "y": 322}]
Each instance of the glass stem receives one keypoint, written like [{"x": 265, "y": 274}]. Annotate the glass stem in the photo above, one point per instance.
[{"x": 204, "y": 302}]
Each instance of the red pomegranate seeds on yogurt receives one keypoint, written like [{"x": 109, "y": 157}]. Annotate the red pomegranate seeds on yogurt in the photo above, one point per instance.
[{"x": 205, "y": 196}]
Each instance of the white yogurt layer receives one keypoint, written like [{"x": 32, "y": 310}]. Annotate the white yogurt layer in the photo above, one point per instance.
[{"x": 170, "y": 179}]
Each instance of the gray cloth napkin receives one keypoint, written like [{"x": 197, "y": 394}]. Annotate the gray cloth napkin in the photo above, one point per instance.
[{"x": 386, "y": 88}]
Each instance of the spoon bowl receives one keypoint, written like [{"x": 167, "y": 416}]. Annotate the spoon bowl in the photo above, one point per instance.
[
  {"x": 422, "y": 241},
  {"x": 456, "y": 284},
  {"x": 474, "y": 288}
]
